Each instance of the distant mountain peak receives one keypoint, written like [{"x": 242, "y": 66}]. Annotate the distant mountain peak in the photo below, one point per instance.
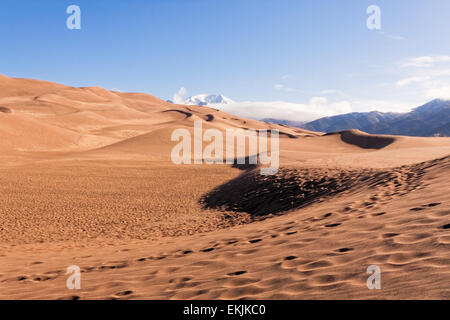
[
  {"x": 207, "y": 100},
  {"x": 433, "y": 106},
  {"x": 430, "y": 119}
]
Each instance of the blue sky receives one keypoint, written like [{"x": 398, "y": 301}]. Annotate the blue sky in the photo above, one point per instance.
[{"x": 292, "y": 59}]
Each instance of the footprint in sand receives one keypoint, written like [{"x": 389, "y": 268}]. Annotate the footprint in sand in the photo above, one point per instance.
[
  {"x": 237, "y": 273},
  {"x": 434, "y": 204},
  {"x": 390, "y": 235},
  {"x": 88, "y": 269},
  {"x": 114, "y": 266},
  {"x": 124, "y": 293},
  {"x": 319, "y": 264},
  {"x": 332, "y": 225},
  {"x": 157, "y": 258},
  {"x": 74, "y": 297},
  {"x": 180, "y": 280},
  {"x": 39, "y": 279},
  {"x": 343, "y": 250}
]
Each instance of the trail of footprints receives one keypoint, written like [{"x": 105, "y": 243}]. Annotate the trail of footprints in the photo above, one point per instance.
[
  {"x": 307, "y": 267},
  {"x": 284, "y": 231},
  {"x": 405, "y": 181}
]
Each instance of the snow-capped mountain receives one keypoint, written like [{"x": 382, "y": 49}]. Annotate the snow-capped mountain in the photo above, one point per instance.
[
  {"x": 207, "y": 100},
  {"x": 431, "y": 119}
]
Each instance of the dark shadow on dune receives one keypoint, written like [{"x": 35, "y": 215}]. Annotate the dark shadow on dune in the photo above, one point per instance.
[
  {"x": 261, "y": 195},
  {"x": 288, "y": 135},
  {"x": 187, "y": 114},
  {"x": 365, "y": 141},
  {"x": 291, "y": 189},
  {"x": 281, "y": 133},
  {"x": 209, "y": 117},
  {"x": 244, "y": 164},
  {"x": 5, "y": 110}
]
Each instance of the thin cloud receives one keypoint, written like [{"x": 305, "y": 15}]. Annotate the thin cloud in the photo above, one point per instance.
[
  {"x": 314, "y": 108},
  {"x": 278, "y": 86},
  {"x": 391, "y": 36},
  {"x": 407, "y": 81},
  {"x": 442, "y": 92},
  {"x": 282, "y": 87},
  {"x": 425, "y": 61}
]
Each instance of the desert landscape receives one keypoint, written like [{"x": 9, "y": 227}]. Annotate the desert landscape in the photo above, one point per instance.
[{"x": 87, "y": 180}]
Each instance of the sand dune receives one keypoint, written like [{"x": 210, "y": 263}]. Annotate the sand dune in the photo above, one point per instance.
[
  {"x": 364, "y": 140},
  {"x": 87, "y": 180}
]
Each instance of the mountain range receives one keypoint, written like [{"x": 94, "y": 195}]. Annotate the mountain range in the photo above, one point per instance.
[{"x": 431, "y": 119}]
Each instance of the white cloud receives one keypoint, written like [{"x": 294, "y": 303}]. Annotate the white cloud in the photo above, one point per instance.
[
  {"x": 430, "y": 76},
  {"x": 286, "y": 76},
  {"x": 367, "y": 105},
  {"x": 407, "y": 81},
  {"x": 278, "y": 86},
  {"x": 318, "y": 101},
  {"x": 178, "y": 97},
  {"x": 314, "y": 108},
  {"x": 442, "y": 92},
  {"x": 282, "y": 87},
  {"x": 271, "y": 109},
  {"x": 391, "y": 36},
  {"x": 425, "y": 61}
]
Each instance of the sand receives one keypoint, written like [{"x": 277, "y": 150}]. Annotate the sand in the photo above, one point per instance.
[{"x": 87, "y": 180}]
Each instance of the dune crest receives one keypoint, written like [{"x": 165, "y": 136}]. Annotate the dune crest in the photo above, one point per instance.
[{"x": 365, "y": 140}]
